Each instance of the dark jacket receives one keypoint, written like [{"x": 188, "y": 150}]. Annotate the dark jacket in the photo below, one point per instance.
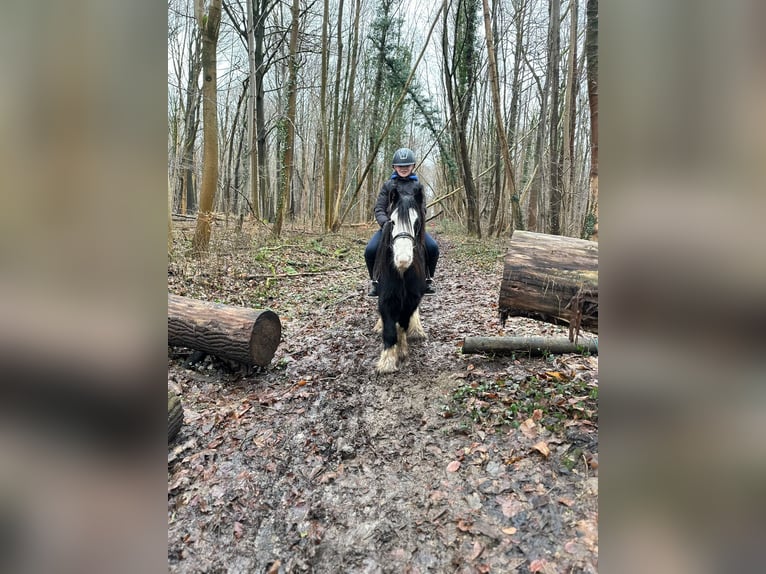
[{"x": 405, "y": 186}]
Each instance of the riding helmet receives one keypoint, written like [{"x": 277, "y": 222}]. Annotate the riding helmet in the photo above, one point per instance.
[{"x": 403, "y": 156}]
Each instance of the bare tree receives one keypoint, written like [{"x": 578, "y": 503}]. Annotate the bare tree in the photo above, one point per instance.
[
  {"x": 591, "y": 48},
  {"x": 568, "y": 118},
  {"x": 460, "y": 54},
  {"x": 508, "y": 180},
  {"x": 209, "y": 21},
  {"x": 285, "y": 182},
  {"x": 554, "y": 55}
]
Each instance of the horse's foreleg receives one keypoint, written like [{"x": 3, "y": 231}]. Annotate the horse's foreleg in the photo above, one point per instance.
[
  {"x": 402, "y": 349},
  {"x": 415, "y": 329},
  {"x": 388, "y": 357}
]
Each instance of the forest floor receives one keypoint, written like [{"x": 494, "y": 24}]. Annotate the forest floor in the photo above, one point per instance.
[{"x": 456, "y": 463}]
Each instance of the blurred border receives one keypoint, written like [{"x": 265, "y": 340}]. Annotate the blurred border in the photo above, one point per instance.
[
  {"x": 83, "y": 286},
  {"x": 683, "y": 144}
]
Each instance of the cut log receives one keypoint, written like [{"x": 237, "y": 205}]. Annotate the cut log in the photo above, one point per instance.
[
  {"x": 552, "y": 279},
  {"x": 247, "y": 336},
  {"x": 175, "y": 415},
  {"x": 527, "y": 345}
]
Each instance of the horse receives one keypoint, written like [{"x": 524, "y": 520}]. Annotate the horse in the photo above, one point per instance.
[{"x": 400, "y": 266}]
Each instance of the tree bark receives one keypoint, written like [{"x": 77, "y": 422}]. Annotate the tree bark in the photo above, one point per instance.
[
  {"x": 289, "y": 124},
  {"x": 247, "y": 336},
  {"x": 526, "y": 345},
  {"x": 553, "y": 279},
  {"x": 554, "y": 56},
  {"x": 209, "y": 23},
  {"x": 591, "y": 49},
  {"x": 568, "y": 125},
  {"x": 175, "y": 415}
]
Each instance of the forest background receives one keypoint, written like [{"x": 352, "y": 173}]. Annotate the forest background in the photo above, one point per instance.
[
  {"x": 305, "y": 103},
  {"x": 84, "y": 183}
]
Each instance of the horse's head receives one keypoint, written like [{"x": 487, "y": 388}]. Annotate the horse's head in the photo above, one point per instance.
[{"x": 405, "y": 226}]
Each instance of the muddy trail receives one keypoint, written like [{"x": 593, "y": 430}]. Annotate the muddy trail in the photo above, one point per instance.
[{"x": 456, "y": 463}]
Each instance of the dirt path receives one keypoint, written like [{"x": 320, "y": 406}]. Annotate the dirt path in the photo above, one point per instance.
[{"x": 454, "y": 464}]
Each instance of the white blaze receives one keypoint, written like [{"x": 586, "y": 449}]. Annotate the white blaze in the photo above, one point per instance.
[{"x": 403, "y": 247}]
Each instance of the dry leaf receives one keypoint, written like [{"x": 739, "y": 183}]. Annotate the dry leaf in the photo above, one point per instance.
[
  {"x": 537, "y": 414},
  {"x": 565, "y": 501},
  {"x": 509, "y": 505},
  {"x": 537, "y": 565},
  {"x": 477, "y": 550},
  {"x": 542, "y": 448},
  {"x": 239, "y": 530},
  {"x": 453, "y": 466},
  {"x": 527, "y": 428},
  {"x": 510, "y": 530}
]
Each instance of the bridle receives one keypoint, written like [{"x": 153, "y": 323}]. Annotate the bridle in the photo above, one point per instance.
[{"x": 405, "y": 235}]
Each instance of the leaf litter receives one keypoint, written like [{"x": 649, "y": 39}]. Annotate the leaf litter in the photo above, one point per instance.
[{"x": 315, "y": 464}]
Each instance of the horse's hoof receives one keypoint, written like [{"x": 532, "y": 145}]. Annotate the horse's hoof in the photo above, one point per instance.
[
  {"x": 416, "y": 334},
  {"x": 415, "y": 330},
  {"x": 387, "y": 362}
]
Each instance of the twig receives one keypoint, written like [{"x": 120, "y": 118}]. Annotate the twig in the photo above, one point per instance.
[{"x": 296, "y": 274}]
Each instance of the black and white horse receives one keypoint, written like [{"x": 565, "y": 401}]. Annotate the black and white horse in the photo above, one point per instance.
[{"x": 400, "y": 266}]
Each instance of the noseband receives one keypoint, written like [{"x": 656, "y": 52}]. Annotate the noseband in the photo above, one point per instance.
[{"x": 405, "y": 235}]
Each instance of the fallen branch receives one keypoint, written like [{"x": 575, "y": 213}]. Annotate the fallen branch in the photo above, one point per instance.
[{"x": 527, "y": 345}]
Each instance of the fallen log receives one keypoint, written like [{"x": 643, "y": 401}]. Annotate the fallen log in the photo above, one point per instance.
[
  {"x": 247, "y": 336},
  {"x": 553, "y": 279},
  {"x": 533, "y": 346},
  {"x": 175, "y": 415}
]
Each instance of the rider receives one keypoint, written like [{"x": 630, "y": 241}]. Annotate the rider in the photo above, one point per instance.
[{"x": 406, "y": 182}]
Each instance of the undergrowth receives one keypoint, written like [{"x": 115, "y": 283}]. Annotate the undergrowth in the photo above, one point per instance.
[{"x": 550, "y": 396}]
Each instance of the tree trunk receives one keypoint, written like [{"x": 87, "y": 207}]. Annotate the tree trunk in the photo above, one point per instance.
[
  {"x": 460, "y": 55},
  {"x": 591, "y": 49},
  {"x": 551, "y": 278},
  {"x": 499, "y": 124},
  {"x": 247, "y": 336},
  {"x": 251, "y": 123},
  {"x": 554, "y": 54},
  {"x": 568, "y": 123},
  {"x": 289, "y": 123},
  {"x": 188, "y": 193},
  {"x": 209, "y": 23},
  {"x": 527, "y": 345}
]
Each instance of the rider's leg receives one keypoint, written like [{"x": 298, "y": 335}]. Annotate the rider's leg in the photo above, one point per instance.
[
  {"x": 369, "y": 259},
  {"x": 432, "y": 254}
]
